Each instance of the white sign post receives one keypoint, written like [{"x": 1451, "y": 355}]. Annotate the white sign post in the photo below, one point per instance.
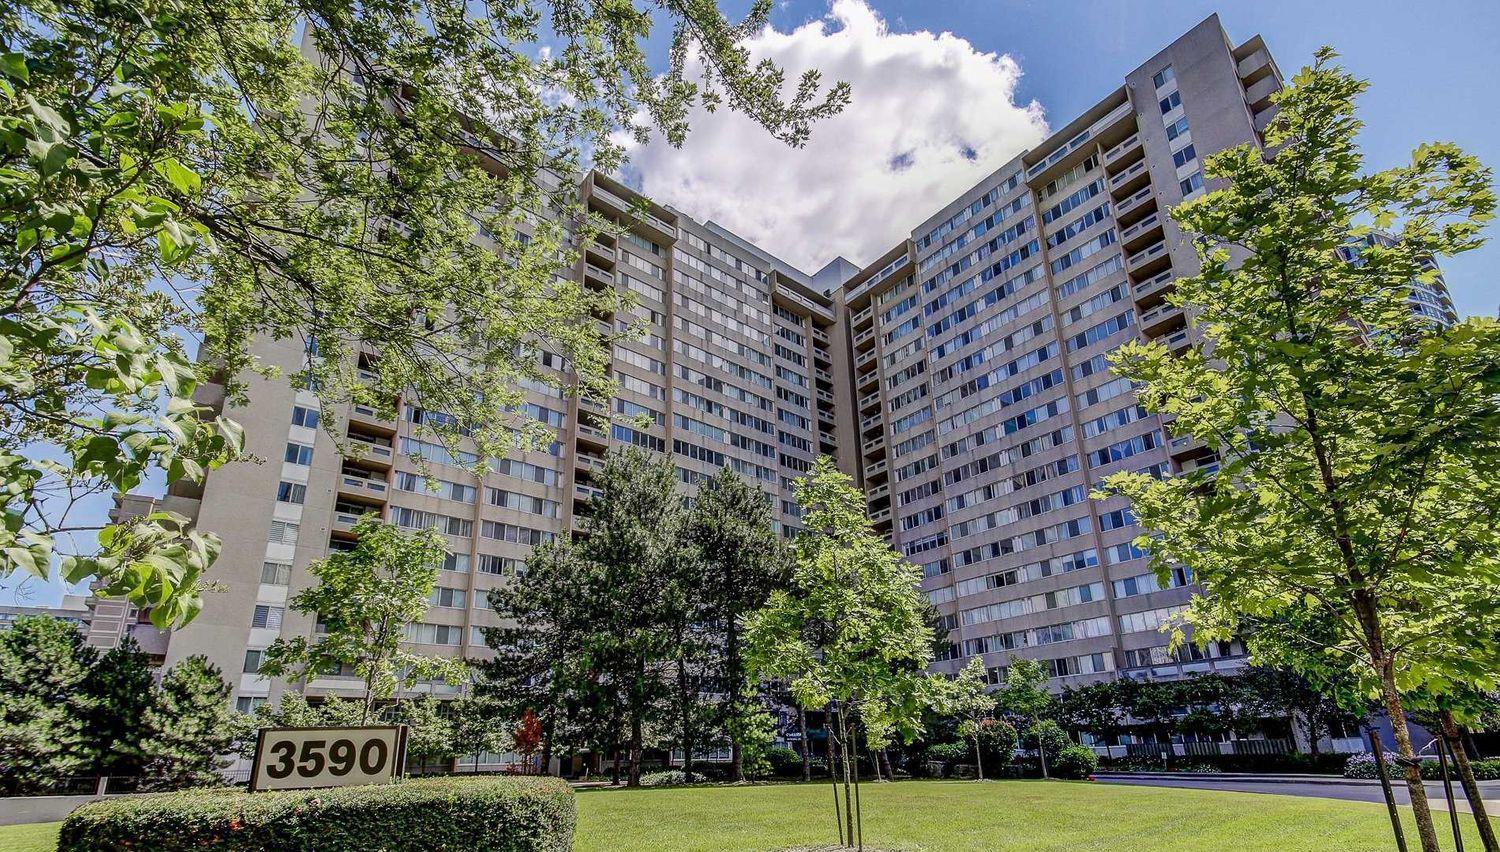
[{"x": 305, "y": 758}]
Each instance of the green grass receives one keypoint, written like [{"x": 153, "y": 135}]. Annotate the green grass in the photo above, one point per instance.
[
  {"x": 38, "y": 837},
  {"x": 1011, "y": 816}
]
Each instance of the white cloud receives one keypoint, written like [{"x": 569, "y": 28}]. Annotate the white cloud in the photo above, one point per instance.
[{"x": 929, "y": 116}]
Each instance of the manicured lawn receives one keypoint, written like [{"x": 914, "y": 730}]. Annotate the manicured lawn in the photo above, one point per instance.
[
  {"x": 1008, "y": 816},
  {"x": 40, "y": 837},
  {"x": 1013, "y": 816}
]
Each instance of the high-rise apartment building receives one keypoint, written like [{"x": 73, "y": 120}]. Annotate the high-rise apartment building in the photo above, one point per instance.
[{"x": 962, "y": 377}]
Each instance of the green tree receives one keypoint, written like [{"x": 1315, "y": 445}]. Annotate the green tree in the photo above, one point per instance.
[
  {"x": 188, "y": 727},
  {"x": 430, "y": 733},
  {"x": 123, "y": 688},
  {"x": 45, "y": 704},
  {"x": 966, "y": 697},
  {"x": 1023, "y": 694},
  {"x": 1360, "y": 454},
  {"x": 364, "y": 599},
  {"x": 477, "y": 727},
  {"x": 633, "y": 554},
  {"x": 542, "y": 664},
  {"x": 190, "y": 168},
  {"x": 850, "y": 632},
  {"x": 742, "y": 561}
]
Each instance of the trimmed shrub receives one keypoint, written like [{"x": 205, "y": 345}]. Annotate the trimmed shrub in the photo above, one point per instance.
[
  {"x": 1363, "y": 766},
  {"x": 669, "y": 778},
  {"x": 785, "y": 762},
  {"x": 1074, "y": 761},
  {"x": 951, "y": 752},
  {"x": 511, "y": 814}
]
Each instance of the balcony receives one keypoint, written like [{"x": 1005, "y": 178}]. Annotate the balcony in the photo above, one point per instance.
[
  {"x": 1132, "y": 145},
  {"x": 585, "y": 492},
  {"x": 592, "y": 435},
  {"x": 825, "y": 395},
  {"x": 1184, "y": 445},
  {"x": 865, "y": 357},
  {"x": 862, "y": 317},
  {"x": 1255, "y": 65},
  {"x": 598, "y": 275},
  {"x": 876, "y": 468},
  {"x": 1264, "y": 117},
  {"x": 363, "y": 485},
  {"x": 869, "y": 401},
  {"x": 1258, "y": 94},
  {"x": 651, "y": 220},
  {"x": 827, "y": 439},
  {"x": 1142, "y": 232},
  {"x": 823, "y": 375},
  {"x": 588, "y": 463},
  {"x": 1149, "y": 260},
  {"x": 1161, "y": 318},
  {"x": 1132, "y": 203},
  {"x": 367, "y": 416},
  {"x": 1130, "y": 180},
  {"x": 343, "y": 522},
  {"x": 1150, "y": 291},
  {"x": 820, "y": 335},
  {"x": 874, "y": 447},
  {"x": 1178, "y": 342},
  {"x": 881, "y": 516},
  {"x": 365, "y": 451},
  {"x": 597, "y": 251},
  {"x": 878, "y": 492}
]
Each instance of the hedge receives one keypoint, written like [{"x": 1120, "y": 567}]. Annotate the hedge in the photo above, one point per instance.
[
  {"x": 499, "y": 813},
  {"x": 1363, "y": 766}
]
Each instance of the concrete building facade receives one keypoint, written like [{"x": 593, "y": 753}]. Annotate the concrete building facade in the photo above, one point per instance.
[{"x": 961, "y": 378}]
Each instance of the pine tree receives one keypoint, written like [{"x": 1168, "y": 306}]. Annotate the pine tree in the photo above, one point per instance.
[
  {"x": 742, "y": 562},
  {"x": 123, "y": 687},
  {"x": 188, "y": 727},
  {"x": 45, "y": 705}
]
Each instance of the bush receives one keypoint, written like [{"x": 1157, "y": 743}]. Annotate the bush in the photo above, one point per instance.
[
  {"x": 997, "y": 738},
  {"x": 1074, "y": 761},
  {"x": 1363, "y": 766},
  {"x": 513, "y": 814},
  {"x": 785, "y": 762},
  {"x": 950, "y": 752},
  {"x": 669, "y": 778}
]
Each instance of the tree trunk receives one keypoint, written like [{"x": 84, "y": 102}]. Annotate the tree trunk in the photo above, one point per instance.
[
  {"x": 978, "y": 758},
  {"x": 833, "y": 778},
  {"x": 547, "y": 729},
  {"x": 806, "y": 757},
  {"x": 886, "y": 760},
  {"x": 637, "y": 734},
  {"x": 685, "y": 700},
  {"x": 732, "y": 674},
  {"x": 1418, "y": 793},
  {"x": 1471, "y": 786}
]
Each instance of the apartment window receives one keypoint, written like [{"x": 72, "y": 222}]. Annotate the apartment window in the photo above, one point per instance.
[
  {"x": 1191, "y": 184},
  {"x": 303, "y": 416},
  {"x": 253, "y": 659},
  {"x": 434, "y": 634},
  {"x": 275, "y": 573},
  {"x": 458, "y": 563},
  {"x": 1170, "y": 102},
  {"x": 248, "y": 703},
  {"x": 267, "y": 616},
  {"x": 291, "y": 492},
  {"x": 283, "y": 532},
  {"x": 445, "y": 596},
  {"x": 501, "y": 566},
  {"x": 297, "y": 454},
  {"x": 1185, "y": 156},
  {"x": 1177, "y": 128},
  {"x": 1164, "y": 76}
]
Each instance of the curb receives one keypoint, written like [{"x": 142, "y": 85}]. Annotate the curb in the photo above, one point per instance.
[{"x": 1234, "y": 777}]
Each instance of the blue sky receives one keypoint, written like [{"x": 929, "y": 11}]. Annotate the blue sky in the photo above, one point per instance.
[
  {"x": 1433, "y": 67},
  {"x": 921, "y": 96}
]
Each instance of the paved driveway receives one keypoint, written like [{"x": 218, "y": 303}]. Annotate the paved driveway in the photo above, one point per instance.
[{"x": 1323, "y": 786}]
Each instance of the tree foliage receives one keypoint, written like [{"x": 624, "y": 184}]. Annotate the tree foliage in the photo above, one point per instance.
[
  {"x": 188, "y": 727},
  {"x": 45, "y": 704},
  {"x": 966, "y": 698},
  {"x": 1359, "y": 441},
  {"x": 364, "y": 599},
  {"x": 740, "y": 562},
  {"x": 186, "y": 167}
]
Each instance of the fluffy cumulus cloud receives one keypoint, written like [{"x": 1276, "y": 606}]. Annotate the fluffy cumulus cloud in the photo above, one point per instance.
[{"x": 929, "y": 116}]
